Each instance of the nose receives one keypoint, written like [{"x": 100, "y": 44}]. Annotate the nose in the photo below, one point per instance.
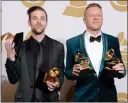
[
  {"x": 96, "y": 17},
  {"x": 38, "y": 20}
]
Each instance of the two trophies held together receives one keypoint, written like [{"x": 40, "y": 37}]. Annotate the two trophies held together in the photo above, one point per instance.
[{"x": 111, "y": 60}]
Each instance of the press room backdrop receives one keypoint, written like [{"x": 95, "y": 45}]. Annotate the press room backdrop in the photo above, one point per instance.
[{"x": 65, "y": 20}]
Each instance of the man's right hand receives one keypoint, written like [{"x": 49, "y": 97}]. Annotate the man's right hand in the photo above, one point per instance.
[
  {"x": 9, "y": 45},
  {"x": 76, "y": 69}
]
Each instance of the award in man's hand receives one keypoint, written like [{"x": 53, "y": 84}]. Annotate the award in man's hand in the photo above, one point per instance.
[
  {"x": 18, "y": 39},
  {"x": 83, "y": 61},
  {"x": 111, "y": 59},
  {"x": 52, "y": 75}
]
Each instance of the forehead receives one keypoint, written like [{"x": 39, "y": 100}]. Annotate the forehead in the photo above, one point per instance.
[
  {"x": 38, "y": 13},
  {"x": 94, "y": 10}
]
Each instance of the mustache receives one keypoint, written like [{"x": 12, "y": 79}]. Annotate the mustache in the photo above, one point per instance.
[{"x": 39, "y": 25}]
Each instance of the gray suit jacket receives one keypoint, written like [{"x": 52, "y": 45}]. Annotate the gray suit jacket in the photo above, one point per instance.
[{"x": 22, "y": 69}]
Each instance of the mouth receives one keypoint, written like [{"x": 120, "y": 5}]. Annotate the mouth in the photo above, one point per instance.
[
  {"x": 38, "y": 27},
  {"x": 96, "y": 22}
]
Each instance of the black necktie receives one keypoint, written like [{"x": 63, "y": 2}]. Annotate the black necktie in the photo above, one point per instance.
[
  {"x": 98, "y": 39},
  {"x": 39, "y": 59},
  {"x": 38, "y": 92}
]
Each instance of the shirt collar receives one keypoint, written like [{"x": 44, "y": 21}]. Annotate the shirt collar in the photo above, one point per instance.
[
  {"x": 88, "y": 34},
  {"x": 44, "y": 42}
]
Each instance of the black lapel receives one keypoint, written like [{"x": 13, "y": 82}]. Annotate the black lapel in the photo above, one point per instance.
[
  {"x": 50, "y": 53},
  {"x": 29, "y": 58}
]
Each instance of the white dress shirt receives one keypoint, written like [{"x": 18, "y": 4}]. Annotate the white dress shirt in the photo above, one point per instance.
[{"x": 94, "y": 50}]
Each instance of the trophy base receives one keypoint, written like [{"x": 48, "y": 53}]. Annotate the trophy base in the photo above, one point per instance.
[
  {"x": 84, "y": 73},
  {"x": 113, "y": 73},
  {"x": 109, "y": 66},
  {"x": 110, "y": 63}
]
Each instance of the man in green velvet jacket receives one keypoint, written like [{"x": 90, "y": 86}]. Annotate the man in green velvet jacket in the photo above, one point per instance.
[{"x": 94, "y": 82}]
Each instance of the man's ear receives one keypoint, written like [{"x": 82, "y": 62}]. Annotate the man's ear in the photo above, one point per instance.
[
  {"x": 47, "y": 24},
  {"x": 29, "y": 24},
  {"x": 84, "y": 20}
]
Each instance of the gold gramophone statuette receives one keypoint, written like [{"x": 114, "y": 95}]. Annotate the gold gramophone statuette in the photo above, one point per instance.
[
  {"x": 111, "y": 59},
  {"x": 80, "y": 59},
  {"x": 52, "y": 75}
]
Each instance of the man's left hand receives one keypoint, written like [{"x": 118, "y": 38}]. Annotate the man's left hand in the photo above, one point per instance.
[{"x": 118, "y": 67}]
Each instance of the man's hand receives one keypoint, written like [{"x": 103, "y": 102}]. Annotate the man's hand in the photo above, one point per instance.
[
  {"x": 118, "y": 67},
  {"x": 52, "y": 86},
  {"x": 77, "y": 68},
  {"x": 9, "y": 45}
]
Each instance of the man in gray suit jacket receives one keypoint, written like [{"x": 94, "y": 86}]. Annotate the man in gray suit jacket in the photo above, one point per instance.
[{"x": 35, "y": 57}]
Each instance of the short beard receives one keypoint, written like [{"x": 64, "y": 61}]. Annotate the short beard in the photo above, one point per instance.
[{"x": 38, "y": 33}]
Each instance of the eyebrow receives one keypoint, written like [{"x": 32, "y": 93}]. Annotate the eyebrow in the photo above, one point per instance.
[{"x": 41, "y": 16}]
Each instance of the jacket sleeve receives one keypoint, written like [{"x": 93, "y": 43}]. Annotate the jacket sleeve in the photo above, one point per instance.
[
  {"x": 13, "y": 69},
  {"x": 118, "y": 54},
  {"x": 69, "y": 63}
]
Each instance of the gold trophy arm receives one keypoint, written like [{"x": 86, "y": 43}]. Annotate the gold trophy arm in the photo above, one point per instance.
[{"x": 45, "y": 77}]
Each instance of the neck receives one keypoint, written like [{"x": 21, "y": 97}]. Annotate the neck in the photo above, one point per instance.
[
  {"x": 39, "y": 38},
  {"x": 94, "y": 33}
]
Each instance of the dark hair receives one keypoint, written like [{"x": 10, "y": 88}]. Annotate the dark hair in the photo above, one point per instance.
[
  {"x": 34, "y": 8},
  {"x": 92, "y": 5}
]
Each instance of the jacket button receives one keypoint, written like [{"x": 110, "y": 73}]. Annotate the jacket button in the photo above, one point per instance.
[{"x": 31, "y": 85}]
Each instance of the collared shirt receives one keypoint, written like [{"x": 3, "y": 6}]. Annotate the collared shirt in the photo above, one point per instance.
[
  {"x": 35, "y": 49},
  {"x": 94, "y": 50},
  {"x": 44, "y": 67}
]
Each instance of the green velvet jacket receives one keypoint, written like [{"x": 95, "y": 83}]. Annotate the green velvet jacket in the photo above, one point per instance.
[{"x": 89, "y": 86}]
